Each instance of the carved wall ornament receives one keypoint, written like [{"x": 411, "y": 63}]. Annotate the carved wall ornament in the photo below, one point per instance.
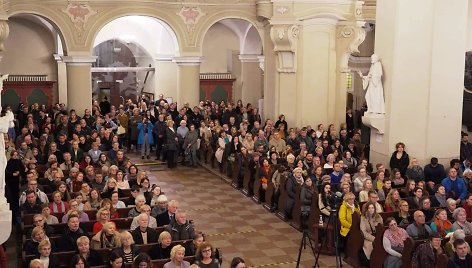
[
  {"x": 79, "y": 14},
  {"x": 285, "y": 39},
  {"x": 4, "y": 32},
  {"x": 282, "y": 10},
  {"x": 356, "y": 35},
  {"x": 190, "y": 16}
]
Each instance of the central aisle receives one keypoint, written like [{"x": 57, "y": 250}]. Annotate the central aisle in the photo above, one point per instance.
[{"x": 231, "y": 221}]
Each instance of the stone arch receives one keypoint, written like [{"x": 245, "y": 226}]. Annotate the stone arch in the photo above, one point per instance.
[
  {"x": 208, "y": 22},
  {"x": 58, "y": 22},
  {"x": 164, "y": 17}
]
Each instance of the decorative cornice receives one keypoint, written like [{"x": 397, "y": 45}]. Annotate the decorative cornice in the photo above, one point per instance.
[
  {"x": 79, "y": 60},
  {"x": 262, "y": 62},
  {"x": 248, "y": 58},
  {"x": 188, "y": 60}
]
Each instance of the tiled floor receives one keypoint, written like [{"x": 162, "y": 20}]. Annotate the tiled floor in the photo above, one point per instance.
[{"x": 231, "y": 221}]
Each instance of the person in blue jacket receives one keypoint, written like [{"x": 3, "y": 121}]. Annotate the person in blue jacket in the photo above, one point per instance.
[
  {"x": 145, "y": 138},
  {"x": 455, "y": 186}
]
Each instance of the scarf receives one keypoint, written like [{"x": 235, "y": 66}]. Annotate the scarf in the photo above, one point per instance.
[
  {"x": 352, "y": 207},
  {"x": 56, "y": 209},
  {"x": 396, "y": 237},
  {"x": 299, "y": 180},
  {"x": 107, "y": 241},
  {"x": 442, "y": 226},
  {"x": 441, "y": 199}
]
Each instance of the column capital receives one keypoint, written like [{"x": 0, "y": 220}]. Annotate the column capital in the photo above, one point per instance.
[
  {"x": 79, "y": 60},
  {"x": 188, "y": 60},
  {"x": 248, "y": 57},
  {"x": 285, "y": 37}
]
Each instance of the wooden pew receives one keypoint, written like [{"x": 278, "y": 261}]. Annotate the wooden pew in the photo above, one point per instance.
[
  {"x": 246, "y": 181},
  {"x": 378, "y": 254},
  {"x": 408, "y": 250},
  {"x": 355, "y": 241},
  {"x": 297, "y": 210},
  {"x": 256, "y": 186},
  {"x": 282, "y": 198}
]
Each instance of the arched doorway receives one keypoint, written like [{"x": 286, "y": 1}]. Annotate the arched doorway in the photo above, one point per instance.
[
  {"x": 232, "y": 49},
  {"x": 134, "y": 57},
  {"x": 32, "y": 58}
]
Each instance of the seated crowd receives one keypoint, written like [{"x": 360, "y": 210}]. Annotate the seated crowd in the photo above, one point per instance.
[
  {"x": 61, "y": 163},
  {"x": 425, "y": 202},
  {"x": 81, "y": 201}
]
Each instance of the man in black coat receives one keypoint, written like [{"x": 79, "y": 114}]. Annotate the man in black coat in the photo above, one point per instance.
[
  {"x": 434, "y": 172},
  {"x": 159, "y": 131},
  {"x": 143, "y": 234},
  {"x": 168, "y": 217},
  {"x": 172, "y": 144},
  {"x": 68, "y": 241},
  {"x": 32, "y": 204}
]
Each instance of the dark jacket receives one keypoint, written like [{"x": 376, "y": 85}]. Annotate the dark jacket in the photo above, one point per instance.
[
  {"x": 94, "y": 258},
  {"x": 53, "y": 260},
  {"x": 68, "y": 242},
  {"x": 184, "y": 231},
  {"x": 152, "y": 236},
  {"x": 455, "y": 262},
  {"x": 424, "y": 256},
  {"x": 171, "y": 143},
  {"x": 435, "y": 174},
  {"x": 163, "y": 219},
  {"x": 401, "y": 164},
  {"x": 157, "y": 252},
  {"x": 134, "y": 249}
]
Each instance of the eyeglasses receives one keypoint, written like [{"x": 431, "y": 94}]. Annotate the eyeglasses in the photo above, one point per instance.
[
  {"x": 206, "y": 250},
  {"x": 393, "y": 224}
]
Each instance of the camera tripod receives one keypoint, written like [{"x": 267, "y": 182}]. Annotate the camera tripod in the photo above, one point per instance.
[{"x": 333, "y": 219}]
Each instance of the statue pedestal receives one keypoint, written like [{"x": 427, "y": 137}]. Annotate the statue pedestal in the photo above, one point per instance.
[
  {"x": 376, "y": 121},
  {"x": 5, "y": 220}
]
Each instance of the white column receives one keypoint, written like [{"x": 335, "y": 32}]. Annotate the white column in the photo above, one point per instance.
[
  {"x": 79, "y": 82},
  {"x": 188, "y": 89},
  {"x": 422, "y": 46},
  {"x": 251, "y": 78},
  {"x": 61, "y": 79}
]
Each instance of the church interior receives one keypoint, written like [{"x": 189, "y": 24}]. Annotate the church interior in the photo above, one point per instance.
[{"x": 304, "y": 59}]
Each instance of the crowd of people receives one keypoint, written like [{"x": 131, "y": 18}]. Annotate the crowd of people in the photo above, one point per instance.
[
  {"x": 62, "y": 164},
  {"x": 81, "y": 163}
]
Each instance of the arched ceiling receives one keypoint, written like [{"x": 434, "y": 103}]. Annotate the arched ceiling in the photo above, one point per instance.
[{"x": 153, "y": 35}]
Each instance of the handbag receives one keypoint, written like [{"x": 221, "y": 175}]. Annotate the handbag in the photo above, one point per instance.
[{"x": 120, "y": 130}]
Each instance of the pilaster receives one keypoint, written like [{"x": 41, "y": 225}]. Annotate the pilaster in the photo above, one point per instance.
[
  {"x": 188, "y": 89},
  {"x": 61, "y": 78},
  {"x": 423, "y": 77},
  {"x": 79, "y": 82},
  {"x": 251, "y": 78}
]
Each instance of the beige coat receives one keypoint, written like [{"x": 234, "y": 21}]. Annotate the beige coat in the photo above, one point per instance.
[{"x": 368, "y": 230}]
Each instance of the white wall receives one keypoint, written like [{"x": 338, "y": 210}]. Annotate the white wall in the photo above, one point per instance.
[{"x": 217, "y": 42}]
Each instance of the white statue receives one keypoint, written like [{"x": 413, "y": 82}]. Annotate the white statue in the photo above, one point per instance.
[
  {"x": 6, "y": 122},
  {"x": 372, "y": 82}
]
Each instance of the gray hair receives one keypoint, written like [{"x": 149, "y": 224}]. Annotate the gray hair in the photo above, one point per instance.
[
  {"x": 162, "y": 198},
  {"x": 139, "y": 198},
  {"x": 450, "y": 201},
  {"x": 456, "y": 212},
  {"x": 458, "y": 234}
]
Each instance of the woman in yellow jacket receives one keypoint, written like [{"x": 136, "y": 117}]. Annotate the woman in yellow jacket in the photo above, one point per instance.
[{"x": 347, "y": 208}]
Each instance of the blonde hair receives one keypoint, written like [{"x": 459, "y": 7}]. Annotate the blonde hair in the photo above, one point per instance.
[
  {"x": 44, "y": 243},
  {"x": 164, "y": 235},
  {"x": 82, "y": 240},
  {"x": 348, "y": 195},
  {"x": 36, "y": 262},
  {"x": 100, "y": 211},
  {"x": 176, "y": 249},
  {"x": 36, "y": 230},
  {"x": 124, "y": 235}
]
